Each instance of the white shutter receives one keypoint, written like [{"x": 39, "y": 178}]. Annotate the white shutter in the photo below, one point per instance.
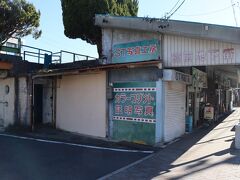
[{"x": 175, "y": 99}]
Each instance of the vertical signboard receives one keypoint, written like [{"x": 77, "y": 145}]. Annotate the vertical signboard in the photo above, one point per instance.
[
  {"x": 136, "y": 51},
  {"x": 199, "y": 78},
  {"x": 134, "y": 111}
]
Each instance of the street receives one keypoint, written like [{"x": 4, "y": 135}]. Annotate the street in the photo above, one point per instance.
[{"x": 28, "y": 159}]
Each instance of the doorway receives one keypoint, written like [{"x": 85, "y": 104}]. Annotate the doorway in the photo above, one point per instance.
[
  {"x": 38, "y": 104},
  {"x": 191, "y": 104}
]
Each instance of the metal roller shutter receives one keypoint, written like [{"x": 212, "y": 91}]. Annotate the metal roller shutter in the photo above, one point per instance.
[{"x": 174, "y": 125}]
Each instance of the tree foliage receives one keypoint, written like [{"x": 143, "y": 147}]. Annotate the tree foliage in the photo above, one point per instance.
[
  {"x": 78, "y": 17},
  {"x": 18, "y": 18}
]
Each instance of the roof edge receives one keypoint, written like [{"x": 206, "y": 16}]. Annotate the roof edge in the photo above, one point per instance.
[{"x": 174, "y": 27}]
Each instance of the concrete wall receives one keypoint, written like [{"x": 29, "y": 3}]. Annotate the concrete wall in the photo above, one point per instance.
[
  {"x": 23, "y": 103},
  {"x": 47, "y": 101},
  {"x": 81, "y": 103},
  {"x": 111, "y": 37},
  {"x": 7, "y": 108}
]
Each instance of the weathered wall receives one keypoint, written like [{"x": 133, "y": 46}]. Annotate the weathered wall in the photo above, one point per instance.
[
  {"x": 47, "y": 101},
  {"x": 81, "y": 103},
  {"x": 23, "y": 103},
  {"x": 183, "y": 51},
  {"x": 134, "y": 112},
  {"x": 111, "y": 37},
  {"x": 178, "y": 51},
  {"x": 147, "y": 74},
  {"x": 7, "y": 108},
  {"x": 135, "y": 74},
  {"x": 175, "y": 27}
]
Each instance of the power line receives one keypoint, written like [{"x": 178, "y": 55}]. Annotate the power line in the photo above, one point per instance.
[
  {"x": 207, "y": 13},
  {"x": 234, "y": 14},
  {"x": 173, "y": 7},
  {"x": 175, "y": 10}
]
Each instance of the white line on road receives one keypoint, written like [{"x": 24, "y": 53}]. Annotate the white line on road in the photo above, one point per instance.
[{"x": 73, "y": 144}]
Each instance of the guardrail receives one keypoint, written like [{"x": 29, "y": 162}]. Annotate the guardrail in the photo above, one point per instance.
[
  {"x": 34, "y": 54},
  {"x": 74, "y": 56},
  {"x": 37, "y": 55}
]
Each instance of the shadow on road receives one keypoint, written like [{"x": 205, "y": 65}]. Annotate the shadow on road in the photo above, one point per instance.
[{"x": 165, "y": 161}]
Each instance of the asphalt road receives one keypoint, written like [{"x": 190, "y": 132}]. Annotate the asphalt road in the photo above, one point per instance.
[{"x": 32, "y": 160}]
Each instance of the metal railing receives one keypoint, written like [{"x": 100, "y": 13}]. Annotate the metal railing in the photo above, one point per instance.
[
  {"x": 33, "y": 52},
  {"x": 73, "y": 56},
  {"x": 37, "y": 55}
]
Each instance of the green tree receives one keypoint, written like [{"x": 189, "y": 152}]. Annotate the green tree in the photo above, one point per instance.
[
  {"x": 78, "y": 17},
  {"x": 18, "y": 18}
]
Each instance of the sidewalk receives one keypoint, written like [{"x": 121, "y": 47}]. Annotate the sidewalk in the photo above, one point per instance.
[{"x": 205, "y": 154}]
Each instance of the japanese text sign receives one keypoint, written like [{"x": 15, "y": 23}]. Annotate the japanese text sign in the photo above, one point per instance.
[
  {"x": 208, "y": 113},
  {"x": 199, "y": 78},
  {"x": 136, "y": 51},
  {"x": 135, "y": 102}
]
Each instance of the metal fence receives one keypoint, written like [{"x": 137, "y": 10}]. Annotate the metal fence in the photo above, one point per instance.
[{"x": 37, "y": 55}]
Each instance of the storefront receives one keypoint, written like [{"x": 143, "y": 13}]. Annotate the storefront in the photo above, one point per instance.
[
  {"x": 175, "y": 85},
  {"x": 148, "y": 103},
  {"x": 148, "y": 109},
  {"x": 135, "y": 107},
  {"x": 197, "y": 96},
  {"x": 190, "y": 48}
]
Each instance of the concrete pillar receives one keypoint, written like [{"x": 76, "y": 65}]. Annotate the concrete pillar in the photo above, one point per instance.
[{"x": 237, "y": 136}]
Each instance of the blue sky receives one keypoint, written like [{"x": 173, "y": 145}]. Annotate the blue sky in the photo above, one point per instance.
[{"x": 53, "y": 38}]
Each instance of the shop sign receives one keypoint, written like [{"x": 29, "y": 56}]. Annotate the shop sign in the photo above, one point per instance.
[
  {"x": 136, "y": 51},
  {"x": 199, "y": 78},
  {"x": 208, "y": 112},
  {"x": 238, "y": 76},
  {"x": 222, "y": 80},
  {"x": 172, "y": 75},
  {"x": 134, "y": 102}
]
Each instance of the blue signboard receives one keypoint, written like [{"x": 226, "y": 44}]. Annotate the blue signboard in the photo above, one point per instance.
[{"x": 136, "y": 51}]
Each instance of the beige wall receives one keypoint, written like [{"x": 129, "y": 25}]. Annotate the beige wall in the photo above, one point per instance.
[
  {"x": 81, "y": 104},
  {"x": 7, "y": 102}
]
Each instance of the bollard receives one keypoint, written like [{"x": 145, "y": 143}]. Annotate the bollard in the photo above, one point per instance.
[{"x": 237, "y": 136}]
